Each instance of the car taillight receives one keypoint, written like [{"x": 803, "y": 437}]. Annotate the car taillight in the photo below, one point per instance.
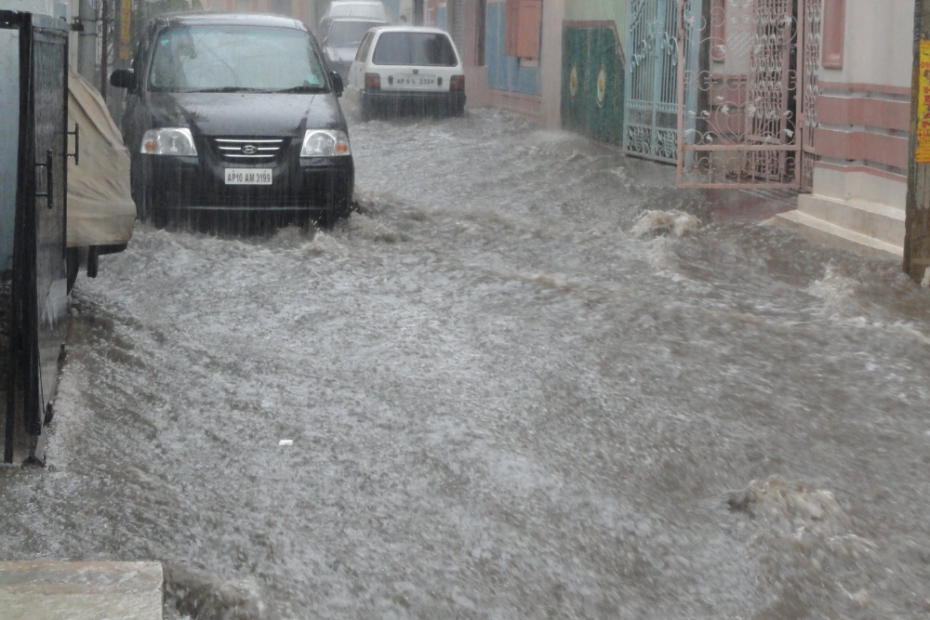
[
  {"x": 372, "y": 81},
  {"x": 457, "y": 82}
]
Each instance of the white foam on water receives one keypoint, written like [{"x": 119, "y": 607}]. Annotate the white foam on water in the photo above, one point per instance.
[
  {"x": 675, "y": 223},
  {"x": 840, "y": 295},
  {"x": 836, "y": 290},
  {"x": 374, "y": 230},
  {"x": 807, "y": 539},
  {"x": 201, "y": 595}
]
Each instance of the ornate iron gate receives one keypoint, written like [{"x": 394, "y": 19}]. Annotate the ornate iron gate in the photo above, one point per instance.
[
  {"x": 651, "y": 97},
  {"x": 39, "y": 286},
  {"x": 739, "y": 72},
  {"x": 812, "y": 35}
]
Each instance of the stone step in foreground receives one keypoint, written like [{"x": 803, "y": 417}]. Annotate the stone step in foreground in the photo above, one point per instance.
[{"x": 44, "y": 590}]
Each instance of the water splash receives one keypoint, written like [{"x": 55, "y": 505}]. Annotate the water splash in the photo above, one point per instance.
[
  {"x": 810, "y": 549},
  {"x": 675, "y": 223},
  {"x": 201, "y": 595}
]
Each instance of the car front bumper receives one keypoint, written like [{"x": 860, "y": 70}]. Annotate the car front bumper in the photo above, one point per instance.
[{"x": 198, "y": 183}]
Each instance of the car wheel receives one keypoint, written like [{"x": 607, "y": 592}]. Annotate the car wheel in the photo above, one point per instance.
[
  {"x": 73, "y": 263},
  {"x": 159, "y": 216},
  {"x": 137, "y": 187},
  {"x": 366, "y": 109},
  {"x": 333, "y": 213}
]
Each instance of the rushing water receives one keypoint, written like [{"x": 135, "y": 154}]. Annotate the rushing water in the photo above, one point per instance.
[{"x": 530, "y": 379}]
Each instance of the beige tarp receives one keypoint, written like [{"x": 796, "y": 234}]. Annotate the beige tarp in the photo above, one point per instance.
[{"x": 100, "y": 207}]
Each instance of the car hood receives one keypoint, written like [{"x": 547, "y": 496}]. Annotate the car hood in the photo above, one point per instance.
[{"x": 247, "y": 114}]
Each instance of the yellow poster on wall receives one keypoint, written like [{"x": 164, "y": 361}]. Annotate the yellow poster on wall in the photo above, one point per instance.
[
  {"x": 923, "y": 106},
  {"x": 125, "y": 29}
]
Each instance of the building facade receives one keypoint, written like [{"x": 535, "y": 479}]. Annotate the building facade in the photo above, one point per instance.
[
  {"x": 861, "y": 128},
  {"x": 512, "y": 51}
]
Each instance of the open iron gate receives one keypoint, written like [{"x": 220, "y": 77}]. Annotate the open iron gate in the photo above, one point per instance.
[
  {"x": 743, "y": 85},
  {"x": 39, "y": 285},
  {"x": 651, "y": 97}
]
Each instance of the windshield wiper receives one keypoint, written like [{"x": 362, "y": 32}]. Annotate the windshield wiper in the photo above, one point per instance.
[
  {"x": 306, "y": 88},
  {"x": 231, "y": 89}
]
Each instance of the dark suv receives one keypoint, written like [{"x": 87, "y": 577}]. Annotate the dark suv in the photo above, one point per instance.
[{"x": 235, "y": 113}]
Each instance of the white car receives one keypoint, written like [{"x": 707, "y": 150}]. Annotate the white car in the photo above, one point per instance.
[
  {"x": 364, "y": 10},
  {"x": 401, "y": 69}
]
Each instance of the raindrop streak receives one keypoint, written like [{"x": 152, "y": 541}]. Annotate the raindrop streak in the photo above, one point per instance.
[{"x": 529, "y": 378}]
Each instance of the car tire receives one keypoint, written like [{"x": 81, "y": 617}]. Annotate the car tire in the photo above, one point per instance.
[
  {"x": 73, "y": 264},
  {"x": 137, "y": 187},
  {"x": 332, "y": 214},
  {"x": 155, "y": 214},
  {"x": 367, "y": 109}
]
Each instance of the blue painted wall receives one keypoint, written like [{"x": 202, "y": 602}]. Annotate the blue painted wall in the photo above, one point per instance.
[{"x": 505, "y": 72}]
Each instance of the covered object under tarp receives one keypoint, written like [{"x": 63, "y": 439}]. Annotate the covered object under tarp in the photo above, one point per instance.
[{"x": 100, "y": 207}]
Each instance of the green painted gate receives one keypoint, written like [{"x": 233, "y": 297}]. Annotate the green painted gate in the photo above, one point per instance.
[{"x": 592, "y": 82}]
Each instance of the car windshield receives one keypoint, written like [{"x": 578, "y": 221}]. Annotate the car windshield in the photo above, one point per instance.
[
  {"x": 372, "y": 10},
  {"x": 235, "y": 58},
  {"x": 349, "y": 34},
  {"x": 415, "y": 48}
]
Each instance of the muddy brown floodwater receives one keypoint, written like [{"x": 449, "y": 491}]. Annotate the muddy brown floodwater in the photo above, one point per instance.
[{"x": 531, "y": 379}]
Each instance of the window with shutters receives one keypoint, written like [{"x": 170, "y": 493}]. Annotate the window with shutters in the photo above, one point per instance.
[
  {"x": 523, "y": 26},
  {"x": 718, "y": 31},
  {"x": 834, "y": 31}
]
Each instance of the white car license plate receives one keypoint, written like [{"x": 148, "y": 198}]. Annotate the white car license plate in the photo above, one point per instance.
[
  {"x": 415, "y": 81},
  {"x": 248, "y": 176}
]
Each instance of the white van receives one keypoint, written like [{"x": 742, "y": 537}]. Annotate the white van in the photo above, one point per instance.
[{"x": 401, "y": 69}]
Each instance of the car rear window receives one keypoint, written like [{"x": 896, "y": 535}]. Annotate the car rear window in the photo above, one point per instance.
[{"x": 415, "y": 48}]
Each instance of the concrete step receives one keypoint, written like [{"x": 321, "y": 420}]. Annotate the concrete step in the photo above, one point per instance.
[
  {"x": 47, "y": 590},
  {"x": 820, "y": 231},
  {"x": 872, "y": 219}
]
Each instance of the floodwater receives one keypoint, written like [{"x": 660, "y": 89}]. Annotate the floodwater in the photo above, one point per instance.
[{"x": 530, "y": 379}]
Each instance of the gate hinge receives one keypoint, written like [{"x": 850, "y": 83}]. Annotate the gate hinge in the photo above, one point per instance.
[{"x": 77, "y": 145}]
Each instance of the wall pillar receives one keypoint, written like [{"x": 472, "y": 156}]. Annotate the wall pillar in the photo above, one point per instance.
[
  {"x": 551, "y": 62},
  {"x": 917, "y": 219}
]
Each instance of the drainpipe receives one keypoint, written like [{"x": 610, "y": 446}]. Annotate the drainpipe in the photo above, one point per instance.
[{"x": 87, "y": 40}]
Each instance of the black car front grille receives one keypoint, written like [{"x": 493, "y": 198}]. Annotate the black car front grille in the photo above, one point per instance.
[{"x": 249, "y": 151}]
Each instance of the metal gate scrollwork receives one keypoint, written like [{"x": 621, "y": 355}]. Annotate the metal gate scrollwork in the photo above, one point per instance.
[
  {"x": 738, "y": 84},
  {"x": 813, "y": 29},
  {"x": 652, "y": 80}
]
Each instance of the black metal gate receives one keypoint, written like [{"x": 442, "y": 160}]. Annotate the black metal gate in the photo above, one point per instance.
[{"x": 39, "y": 285}]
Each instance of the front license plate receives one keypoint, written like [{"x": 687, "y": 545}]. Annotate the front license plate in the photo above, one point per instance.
[
  {"x": 415, "y": 81},
  {"x": 248, "y": 176}
]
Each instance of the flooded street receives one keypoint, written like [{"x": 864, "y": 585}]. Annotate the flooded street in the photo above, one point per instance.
[{"x": 512, "y": 393}]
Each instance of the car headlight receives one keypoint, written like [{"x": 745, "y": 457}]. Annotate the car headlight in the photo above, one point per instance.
[
  {"x": 168, "y": 141},
  {"x": 325, "y": 143}
]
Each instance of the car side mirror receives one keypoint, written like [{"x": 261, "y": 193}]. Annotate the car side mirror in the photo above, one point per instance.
[
  {"x": 338, "y": 86},
  {"x": 123, "y": 78}
]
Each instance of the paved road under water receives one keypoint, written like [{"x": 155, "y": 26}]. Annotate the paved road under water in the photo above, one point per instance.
[{"x": 510, "y": 395}]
